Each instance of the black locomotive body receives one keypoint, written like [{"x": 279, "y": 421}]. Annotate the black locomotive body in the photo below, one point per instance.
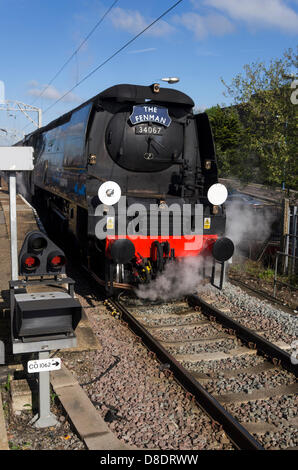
[{"x": 149, "y": 142}]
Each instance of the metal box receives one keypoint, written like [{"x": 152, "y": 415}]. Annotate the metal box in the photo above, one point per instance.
[{"x": 46, "y": 314}]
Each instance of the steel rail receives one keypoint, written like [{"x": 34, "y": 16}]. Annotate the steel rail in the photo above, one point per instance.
[
  {"x": 261, "y": 293},
  {"x": 246, "y": 335},
  {"x": 241, "y": 438}
]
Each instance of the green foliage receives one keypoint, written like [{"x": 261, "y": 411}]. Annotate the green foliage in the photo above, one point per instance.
[
  {"x": 7, "y": 385},
  {"x": 226, "y": 127},
  {"x": 227, "y": 132},
  {"x": 266, "y": 151},
  {"x": 24, "y": 446},
  {"x": 267, "y": 274}
]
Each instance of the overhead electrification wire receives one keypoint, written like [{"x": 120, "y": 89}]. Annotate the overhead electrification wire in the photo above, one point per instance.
[
  {"x": 77, "y": 50},
  {"x": 114, "y": 54}
]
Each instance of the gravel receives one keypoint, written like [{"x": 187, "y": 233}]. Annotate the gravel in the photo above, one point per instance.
[
  {"x": 196, "y": 348},
  {"x": 23, "y": 436},
  {"x": 272, "y": 410},
  {"x": 229, "y": 363},
  {"x": 282, "y": 412},
  {"x": 184, "y": 334},
  {"x": 285, "y": 438},
  {"x": 173, "y": 320},
  {"x": 249, "y": 382},
  {"x": 258, "y": 315},
  {"x": 147, "y": 409}
]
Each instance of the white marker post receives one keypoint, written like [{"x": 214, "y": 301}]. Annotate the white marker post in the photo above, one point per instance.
[{"x": 43, "y": 365}]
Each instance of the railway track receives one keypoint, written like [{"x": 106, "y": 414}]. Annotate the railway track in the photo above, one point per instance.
[
  {"x": 221, "y": 364},
  {"x": 262, "y": 294}
]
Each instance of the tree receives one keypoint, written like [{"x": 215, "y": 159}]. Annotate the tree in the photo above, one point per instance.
[
  {"x": 262, "y": 96},
  {"x": 227, "y": 132}
]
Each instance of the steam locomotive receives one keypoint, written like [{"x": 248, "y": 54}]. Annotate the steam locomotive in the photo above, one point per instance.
[{"x": 110, "y": 172}]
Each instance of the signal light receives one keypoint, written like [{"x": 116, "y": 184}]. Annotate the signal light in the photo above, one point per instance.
[
  {"x": 30, "y": 262},
  {"x": 39, "y": 256},
  {"x": 37, "y": 243},
  {"x": 56, "y": 261}
]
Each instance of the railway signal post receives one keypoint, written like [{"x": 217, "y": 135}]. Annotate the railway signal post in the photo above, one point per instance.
[
  {"x": 13, "y": 159},
  {"x": 43, "y": 321}
]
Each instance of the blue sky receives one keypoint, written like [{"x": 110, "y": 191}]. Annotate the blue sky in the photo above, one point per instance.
[{"x": 199, "y": 41}]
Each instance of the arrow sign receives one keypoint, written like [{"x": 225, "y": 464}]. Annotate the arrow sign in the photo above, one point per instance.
[{"x": 44, "y": 365}]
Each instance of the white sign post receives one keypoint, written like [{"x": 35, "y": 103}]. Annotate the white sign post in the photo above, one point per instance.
[
  {"x": 13, "y": 159},
  {"x": 44, "y": 418},
  {"x": 43, "y": 366}
]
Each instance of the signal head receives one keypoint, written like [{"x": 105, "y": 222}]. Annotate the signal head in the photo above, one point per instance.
[{"x": 39, "y": 256}]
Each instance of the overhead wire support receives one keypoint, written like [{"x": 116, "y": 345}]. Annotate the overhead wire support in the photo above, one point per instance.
[
  {"x": 76, "y": 51},
  {"x": 114, "y": 54},
  {"x": 13, "y": 106}
]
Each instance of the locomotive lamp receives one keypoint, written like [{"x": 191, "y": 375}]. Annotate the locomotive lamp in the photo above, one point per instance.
[
  {"x": 92, "y": 159},
  {"x": 109, "y": 193},
  {"x": 171, "y": 80},
  {"x": 217, "y": 194},
  {"x": 155, "y": 87},
  {"x": 207, "y": 164}
]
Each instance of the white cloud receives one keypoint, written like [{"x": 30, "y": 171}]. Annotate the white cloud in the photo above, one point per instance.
[
  {"x": 202, "y": 26},
  {"x": 206, "y": 53},
  {"x": 134, "y": 22},
  {"x": 33, "y": 83},
  {"x": 259, "y": 13},
  {"x": 49, "y": 92},
  {"x": 141, "y": 51}
]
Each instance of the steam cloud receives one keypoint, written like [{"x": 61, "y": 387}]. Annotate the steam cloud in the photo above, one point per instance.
[
  {"x": 179, "y": 278},
  {"x": 245, "y": 223},
  {"x": 185, "y": 276}
]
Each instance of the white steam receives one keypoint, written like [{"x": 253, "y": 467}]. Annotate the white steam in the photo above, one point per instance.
[
  {"x": 248, "y": 224},
  {"x": 185, "y": 276},
  {"x": 179, "y": 278}
]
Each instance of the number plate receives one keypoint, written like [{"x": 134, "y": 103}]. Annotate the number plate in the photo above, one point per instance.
[
  {"x": 149, "y": 130},
  {"x": 44, "y": 365}
]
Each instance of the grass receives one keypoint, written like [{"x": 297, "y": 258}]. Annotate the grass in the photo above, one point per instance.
[
  {"x": 252, "y": 268},
  {"x": 24, "y": 446},
  {"x": 257, "y": 270}
]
